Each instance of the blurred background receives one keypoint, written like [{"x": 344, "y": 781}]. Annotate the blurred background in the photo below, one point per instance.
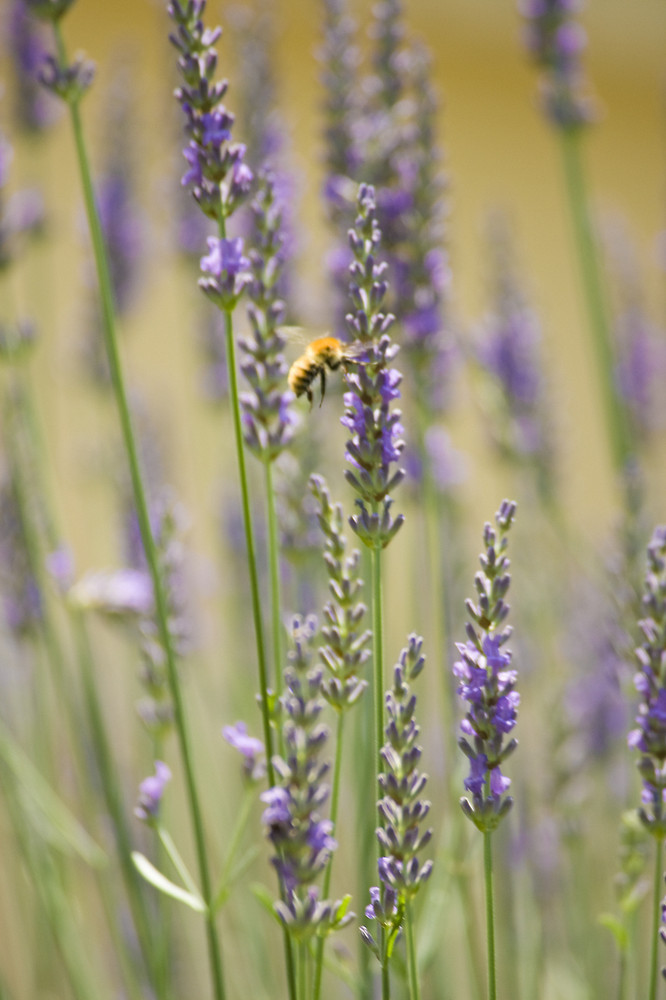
[
  {"x": 500, "y": 155},
  {"x": 502, "y": 161}
]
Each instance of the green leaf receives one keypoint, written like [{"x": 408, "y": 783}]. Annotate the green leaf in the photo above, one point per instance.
[
  {"x": 265, "y": 897},
  {"x": 165, "y": 885},
  {"x": 342, "y": 908},
  {"x": 237, "y": 871},
  {"x": 617, "y": 929},
  {"x": 46, "y": 812}
]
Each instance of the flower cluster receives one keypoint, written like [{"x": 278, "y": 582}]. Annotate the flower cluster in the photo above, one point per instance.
[
  {"x": 229, "y": 271},
  {"x": 21, "y": 214},
  {"x": 649, "y": 738},
  {"x": 421, "y": 273},
  {"x": 120, "y": 219},
  {"x": 641, "y": 369},
  {"x": 402, "y": 810},
  {"x": 375, "y": 444},
  {"x": 127, "y": 594},
  {"x": 302, "y": 839},
  {"x": 69, "y": 83},
  {"x": 340, "y": 58},
  {"x": 381, "y": 129},
  {"x": 151, "y": 791},
  {"x": 168, "y": 526},
  {"x": 251, "y": 750},
  {"x": 487, "y": 683},
  {"x": 21, "y": 593},
  {"x": 34, "y": 110},
  {"x": 556, "y": 41},
  {"x": 218, "y": 175},
  {"x": 508, "y": 354},
  {"x": 267, "y": 421},
  {"x": 346, "y": 649}
]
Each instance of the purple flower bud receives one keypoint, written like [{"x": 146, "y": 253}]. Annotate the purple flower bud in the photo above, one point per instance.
[
  {"x": 114, "y": 592},
  {"x": 251, "y": 749},
  {"x": 151, "y": 791}
]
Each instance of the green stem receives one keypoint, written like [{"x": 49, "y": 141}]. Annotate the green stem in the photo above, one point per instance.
[
  {"x": 34, "y": 456},
  {"x": 249, "y": 798},
  {"x": 490, "y": 913},
  {"x": 412, "y": 965},
  {"x": 656, "y": 915},
  {"x": 378, "y": 663},
  {"x": 150, "y": 549},
  {"x": 335, "y": 795},
  {"x": 54, "y": 901},
  {"x": 111, "y": 792},
  {"x": 274, "y": 567},
  {"x": 386, "y": 982},
  {"x": 597, "y": 310},
  {"x": 301, "y": 951},
  {"x": 254, "y": 589},
  {"x": 250, "y": 545},
  {"x": 176, "y": 860}
]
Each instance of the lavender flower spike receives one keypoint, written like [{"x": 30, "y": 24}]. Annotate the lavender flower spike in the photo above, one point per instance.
[
  {"x": 218, "y": 175},
  {"x": 267, "y": 419},
  {"x": 376, "y": 443},
  {"x": 402, "y": 809},
  {"x": 487, "y": 684},
  {"x": 301, "y": 837},
  {"x": 347, "y": 643},
  {"x": 649, "y": 738}
]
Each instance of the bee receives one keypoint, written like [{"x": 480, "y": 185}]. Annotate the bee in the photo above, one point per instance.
[{"x": 320, "y": 354}]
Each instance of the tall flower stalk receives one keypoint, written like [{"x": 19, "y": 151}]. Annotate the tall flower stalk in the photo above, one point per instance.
[
  {"x": 374, "y": 447},
  {"x": 345, "y": 651},
  {"x": 301, "y": 838},
  {"x": 70, "y": 81},
  {"x": 375, "y": 444},
  {"x": 220, "y": 180},
  {"x": 555, "y": 41},
  {"x": 649, "y": 737},
  {"x": 401, "y": 811},
  {"x": 488, "y": 686},
  {"x": 267, "y": 420}
]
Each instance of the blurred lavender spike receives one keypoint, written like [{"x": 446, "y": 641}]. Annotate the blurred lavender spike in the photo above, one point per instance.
[
  {"x": 555, "y": 41},
  {"x": 508, "y": 353},
  {"x": 649, "y": 737}
]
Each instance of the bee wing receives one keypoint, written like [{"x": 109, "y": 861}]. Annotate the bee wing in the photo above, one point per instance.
[
  {"x": 357, "y": 350},
  {"x": 299, "y": 335}
]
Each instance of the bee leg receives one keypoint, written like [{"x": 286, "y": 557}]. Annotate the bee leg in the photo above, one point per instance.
[
  {"x": 308, "y": 393},
  {"x": 322, "y": 376}
]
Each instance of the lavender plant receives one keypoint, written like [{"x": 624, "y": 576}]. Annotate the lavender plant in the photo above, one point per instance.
[
  {"x": 63, "y": 677},
  {"x": 488, "y": 686},
  {"x": 345, "y": 651},
  {"x": 220, "y": 180},
  {"x": 301, "y": 838},
  {"x": 555, "y": 40},
  {"x": 402, "y": 812},
  {"x": 267, "y": 420},
  {"x": 35, "y": 110},
  {"x": 70, "y": 82},
  {"x": 649, "y": 737},
  {"x": 508, "y": 352},
  {"x": 375, "y": 444}
]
